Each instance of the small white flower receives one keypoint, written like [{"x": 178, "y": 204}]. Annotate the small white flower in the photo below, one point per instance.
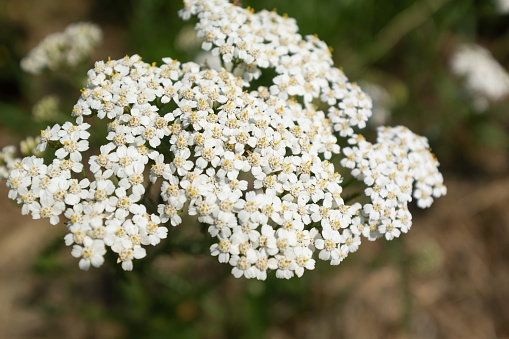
[
  {"x": 127, "y": 254},
  {"x": 328, "y": 244},
  {"x": 48, "y": 208},
  {"x": 224, "y": 249},
  {"x": 91, "y": 253}
]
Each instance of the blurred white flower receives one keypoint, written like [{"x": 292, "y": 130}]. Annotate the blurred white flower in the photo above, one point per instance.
[
  {"x": 186, "y": 39},
  {"x": 485, "y": 79},
  {"x": 502, "y": 6},
  {"x": 63, "y": 50},
  {"x": 29, "y": 146},
  {"x": 46, "y": 109}
]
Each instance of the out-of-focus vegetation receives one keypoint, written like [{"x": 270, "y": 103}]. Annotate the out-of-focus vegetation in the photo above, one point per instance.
[{"x": 181, "y": 291}]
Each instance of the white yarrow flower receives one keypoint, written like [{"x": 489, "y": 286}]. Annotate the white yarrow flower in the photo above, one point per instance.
[{"x": 251, "y": 163}]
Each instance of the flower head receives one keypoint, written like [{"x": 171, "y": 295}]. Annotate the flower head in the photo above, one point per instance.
[{"x": 256, "y": 165}]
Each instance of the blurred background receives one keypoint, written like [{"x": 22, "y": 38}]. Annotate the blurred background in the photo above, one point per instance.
[{"x": 447, "y": 278}]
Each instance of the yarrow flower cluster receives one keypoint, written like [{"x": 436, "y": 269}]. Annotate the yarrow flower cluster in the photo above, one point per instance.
[
  {"x": 9, "y": 155},
  {"x": 256, "y": 165},
  {"x": 395, "y": 169},
  {"x": 485, "y": 79},
  {"x": 63, "y": 50}
]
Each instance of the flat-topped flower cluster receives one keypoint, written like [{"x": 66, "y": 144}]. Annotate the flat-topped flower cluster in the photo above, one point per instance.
[{"x": 254, "y": 164}]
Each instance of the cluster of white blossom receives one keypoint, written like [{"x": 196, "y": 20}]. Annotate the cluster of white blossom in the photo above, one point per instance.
[
  {"x": 400, "y": 165},
  {"x": 254, "y": 164},
  {"x": 9, "y": 155},
  {"x": 63, "y": 50},
  {"x": 485, "y": 79},
  {"x": 248, "y": 41}
]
